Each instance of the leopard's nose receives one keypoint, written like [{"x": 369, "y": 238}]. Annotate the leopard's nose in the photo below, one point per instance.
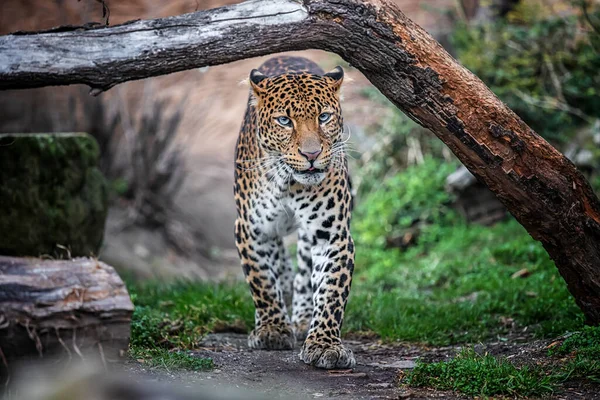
[{"x": 310, "y": 156}]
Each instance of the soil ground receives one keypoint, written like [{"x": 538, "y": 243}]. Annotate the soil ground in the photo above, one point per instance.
[
  {"x": 245, "y": 373},
  {"x": 281, "y": 374}
]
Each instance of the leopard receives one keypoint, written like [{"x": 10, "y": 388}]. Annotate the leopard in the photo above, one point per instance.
[{"x": 291, "y": 174}]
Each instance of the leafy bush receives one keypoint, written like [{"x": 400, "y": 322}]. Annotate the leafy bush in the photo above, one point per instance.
[
  {"x": 544, "y": 67},
  {"x": 399, "y": 143},
  {"x": 413, "y": 196}
]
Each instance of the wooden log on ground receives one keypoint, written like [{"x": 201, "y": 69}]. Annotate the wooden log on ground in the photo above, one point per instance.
[{"x": 66, "y": 307}]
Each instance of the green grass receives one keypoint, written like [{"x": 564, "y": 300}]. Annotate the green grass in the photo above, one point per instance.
[
  {"x": 482, "y": 375},
  {"x": 460, "y": 289},
  {"x": 172, "y": 318},
  {"x": 586, "y": 343},
  {"x": 485, "y": 375},
  {"x": 455, "y": 285},
  {"x": 162, "y": 358},
  {"x": 582, "y": 350}
]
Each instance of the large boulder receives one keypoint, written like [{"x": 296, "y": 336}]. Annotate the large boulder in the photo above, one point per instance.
[{"x": 53, "y": 197}]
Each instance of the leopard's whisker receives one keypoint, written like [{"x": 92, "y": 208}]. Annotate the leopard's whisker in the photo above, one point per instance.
[
  {"x": 348, "y": 145},
  {"x": 272, "y": 168},
  {"x": 259, "y": 166},
  {"x": 268, "y": 157},
  {"x": 258, "y": 161},
  {"x": 344, "y": 129}
]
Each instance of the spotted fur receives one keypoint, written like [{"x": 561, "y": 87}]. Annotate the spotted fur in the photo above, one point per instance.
[{"x": 295, "y": 175}]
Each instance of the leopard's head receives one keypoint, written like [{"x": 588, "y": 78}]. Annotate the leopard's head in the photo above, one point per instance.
[{"x": 300, "y": 124}]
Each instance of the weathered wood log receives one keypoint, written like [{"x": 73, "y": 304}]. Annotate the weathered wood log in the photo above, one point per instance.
[
  {"x": 536, "y": 183},
  {"x": 68, "y": 307}
]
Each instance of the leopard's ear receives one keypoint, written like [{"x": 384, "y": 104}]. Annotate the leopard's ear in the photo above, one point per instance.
[
  {"x": 337, "y": 76},
  {"x": 256, "y": 77}
]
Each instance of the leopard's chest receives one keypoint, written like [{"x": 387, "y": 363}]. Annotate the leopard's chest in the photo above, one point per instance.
[{"x": 278, "y": 211}]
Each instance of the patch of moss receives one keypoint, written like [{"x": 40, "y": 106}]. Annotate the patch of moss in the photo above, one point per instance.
[{"x": 52, "y": 195}]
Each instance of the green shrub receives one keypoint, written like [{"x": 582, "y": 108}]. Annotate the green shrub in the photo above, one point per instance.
[
  {"x": 392, "y": 135},
  {"x": 414, "y": 196},
  {"x": 544, "y": 67}
]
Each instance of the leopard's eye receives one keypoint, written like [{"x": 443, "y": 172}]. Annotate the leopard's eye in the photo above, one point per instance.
[
  {"x": 324, "y": 117},
  {"x": 284, "y": 121}
]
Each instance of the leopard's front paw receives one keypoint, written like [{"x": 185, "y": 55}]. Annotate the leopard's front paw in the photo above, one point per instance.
[
  {"x": 326, "y": 355},
  {"x": 272, "y": 337}
]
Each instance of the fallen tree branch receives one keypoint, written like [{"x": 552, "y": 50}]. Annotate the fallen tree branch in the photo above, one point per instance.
[
  {"x": 55, "y": 306},
  {"x": 536, "y": 183},
  {"x": 102, "y": 57}
]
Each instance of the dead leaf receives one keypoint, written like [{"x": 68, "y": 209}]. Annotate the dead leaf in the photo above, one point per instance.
[
  {"x": 553, "y": 344},
  {"x": 339, "y": 371},
  {"x": 522, "y": 273},
  {"x": 346, "y": 373}
]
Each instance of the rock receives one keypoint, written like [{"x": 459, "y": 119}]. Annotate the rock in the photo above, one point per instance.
[
  {"x": 460, "y": 179},
  {"x": 473, "y": 200},
  {"x": 584, "y": 159},
  {"x": 53, "y": 197}
]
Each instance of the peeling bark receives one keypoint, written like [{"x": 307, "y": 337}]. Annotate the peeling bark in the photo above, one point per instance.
[{"x": 537, "y": 184}]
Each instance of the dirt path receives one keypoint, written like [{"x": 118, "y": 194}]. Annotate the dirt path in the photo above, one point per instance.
[
  {"x": 242, "y": 373},
  {"x": 281, "y": 374}
]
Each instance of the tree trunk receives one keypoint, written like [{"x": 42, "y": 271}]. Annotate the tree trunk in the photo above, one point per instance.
[
  {"x": 536, "y": 183},
  {"x": 74, "y": 307}
]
